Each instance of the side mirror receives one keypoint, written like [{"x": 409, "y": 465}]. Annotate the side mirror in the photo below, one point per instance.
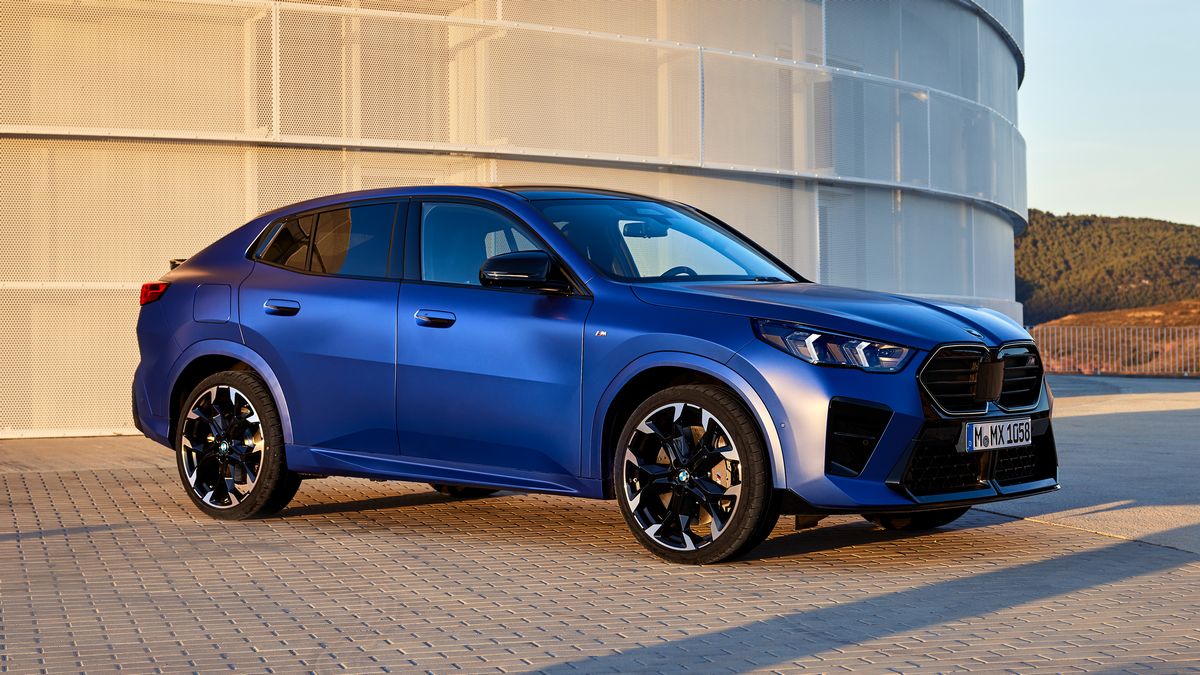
[{"x": 522, "y": 269}]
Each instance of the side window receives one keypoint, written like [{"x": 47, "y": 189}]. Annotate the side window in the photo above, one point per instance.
[
  {"x": 457, "y": 238},
  {"x": 354, "y": 241},
  {"x": 289, "y": 246}
]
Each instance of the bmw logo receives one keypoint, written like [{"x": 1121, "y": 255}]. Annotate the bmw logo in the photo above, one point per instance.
[
  {"x": 976, "y": 333},
  {"x": 683, "y": 476}
]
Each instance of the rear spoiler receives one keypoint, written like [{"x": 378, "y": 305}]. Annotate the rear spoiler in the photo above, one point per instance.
[{"x": 176, "y": 262}]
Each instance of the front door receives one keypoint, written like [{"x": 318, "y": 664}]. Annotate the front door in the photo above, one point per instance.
[{"x": 488, "y": 378}]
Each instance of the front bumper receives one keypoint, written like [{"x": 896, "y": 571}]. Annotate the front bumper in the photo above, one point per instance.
[{"x": 914, "y": 463}]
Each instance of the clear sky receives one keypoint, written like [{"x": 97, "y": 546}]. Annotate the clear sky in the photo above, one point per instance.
[{"x": 1110, "y": 107}]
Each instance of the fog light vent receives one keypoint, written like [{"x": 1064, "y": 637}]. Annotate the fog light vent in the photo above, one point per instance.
[{"x": 852, "y": 433}]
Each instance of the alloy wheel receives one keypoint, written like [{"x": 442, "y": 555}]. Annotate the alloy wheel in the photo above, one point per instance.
[
  {"x": 682, "y": 476},
  {"x": 222, "y": 447}
]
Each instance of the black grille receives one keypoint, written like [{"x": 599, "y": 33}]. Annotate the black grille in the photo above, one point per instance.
[
  {"x": 950, "y": 377},
  {"x": 963, "y": 379},
  {"x": 852, "y": 434},
  {"x": 936, "y": 467},
  {"x": 1025, "y": 465},
  {"x": 1022, "y": 376}
]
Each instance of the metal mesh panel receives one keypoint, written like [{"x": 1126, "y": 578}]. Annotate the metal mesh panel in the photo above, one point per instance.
[
  {"x": 936, "y": 43},
  {"x": 961, "y": 146},
  {"x": 993, "y": 260},
  {"x": 997, "y": 75},
  {"x": 1010, "y": 14},
  {"x": 128, "y": 65},
  {"x": 939, "y": 47},
  {"x": 880, "y": 131},
  {"x": 623, "y": 94},
  {"x": 899, "y": 241},
  {"x": 935, "y": 246},
  {"x": 776, "y": 131},
  {"x": 66, "y": 360},
  {"x": 188, "y": 117},
  {"x": 777, "y": 28}
]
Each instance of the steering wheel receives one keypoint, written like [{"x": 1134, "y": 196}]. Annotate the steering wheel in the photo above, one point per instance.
[{"x": 678, "y": 270}]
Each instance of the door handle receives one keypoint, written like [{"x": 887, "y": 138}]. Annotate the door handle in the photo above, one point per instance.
[
  {"x": 281, "y": 307},
  {"x": 434, "y": 318}
]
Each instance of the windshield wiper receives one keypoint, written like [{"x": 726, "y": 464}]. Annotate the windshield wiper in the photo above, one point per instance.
[{"x": 766, "y": 279}]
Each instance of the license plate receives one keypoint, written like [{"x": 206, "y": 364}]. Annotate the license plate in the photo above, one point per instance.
[{"x": 979, "y": 436}]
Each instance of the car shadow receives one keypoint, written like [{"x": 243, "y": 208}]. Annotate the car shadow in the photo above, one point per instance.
[
  {"x": 63, "y": 532},
  {"x": 377, "y": 504},
  {"x": 779, "y": 641}
]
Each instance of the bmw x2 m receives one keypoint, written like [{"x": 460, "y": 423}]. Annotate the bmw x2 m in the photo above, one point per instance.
[{"x": 578, "y": 342}]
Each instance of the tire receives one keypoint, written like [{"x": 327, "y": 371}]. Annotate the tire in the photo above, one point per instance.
[
  {"x": 691, "y": 476},
  {"x": 229, "y": 448},
  {"x": 463, "y": 491},
  {"x": 916, "y": 521}
]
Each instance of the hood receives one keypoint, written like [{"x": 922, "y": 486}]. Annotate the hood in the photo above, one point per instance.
[{"x": 909, "y": 321}]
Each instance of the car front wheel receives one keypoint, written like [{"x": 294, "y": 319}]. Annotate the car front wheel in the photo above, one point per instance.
[
  {"x": 691, "y": 475},
  {"x": 229, "y": 448}
]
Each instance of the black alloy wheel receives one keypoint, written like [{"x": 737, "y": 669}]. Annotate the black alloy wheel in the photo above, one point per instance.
[
  {"x": 230, "y": 448},
  {"x": 691, "y": 476}
]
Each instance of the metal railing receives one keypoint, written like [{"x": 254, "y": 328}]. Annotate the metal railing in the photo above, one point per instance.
[{"x": 1120, "y": 350}]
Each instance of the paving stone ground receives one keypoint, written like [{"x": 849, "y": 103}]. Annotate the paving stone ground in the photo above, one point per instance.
[{"x": 112, "y": 568}]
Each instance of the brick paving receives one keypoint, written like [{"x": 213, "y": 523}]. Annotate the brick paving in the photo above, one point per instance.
[{"x": 114, "y": 569}]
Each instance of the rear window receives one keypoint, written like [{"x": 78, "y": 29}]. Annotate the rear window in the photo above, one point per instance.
[
  {"x": 353, "y": 241},
  {"x": 289, "y": 246}
]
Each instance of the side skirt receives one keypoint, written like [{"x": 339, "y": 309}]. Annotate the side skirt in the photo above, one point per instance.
[{"x": 327, "y": 462}]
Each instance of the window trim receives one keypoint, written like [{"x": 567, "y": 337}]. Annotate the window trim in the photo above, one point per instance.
[
  {"x": 412, "y": 248},
  {"x": 398, "y": 236}
]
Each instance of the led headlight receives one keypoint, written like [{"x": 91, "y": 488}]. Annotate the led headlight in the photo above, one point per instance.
[{"x": 831, "y": 349}]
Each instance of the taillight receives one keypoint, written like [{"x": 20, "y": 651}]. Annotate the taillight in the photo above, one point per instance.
[{"x": 153, "y": 291}]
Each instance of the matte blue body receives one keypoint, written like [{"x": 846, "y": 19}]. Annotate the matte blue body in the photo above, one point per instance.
[{"x": 514, "y": 393}]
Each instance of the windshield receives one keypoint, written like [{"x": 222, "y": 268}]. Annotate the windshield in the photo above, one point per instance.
[{"x": 650, "y": 241}]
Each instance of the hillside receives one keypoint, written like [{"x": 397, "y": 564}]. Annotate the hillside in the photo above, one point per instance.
[
  {"x": 1173, "y": 314},
  {"x": 1083, "y": 263}
]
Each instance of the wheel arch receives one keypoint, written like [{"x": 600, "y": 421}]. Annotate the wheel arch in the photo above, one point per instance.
[
  {"x": 207, "y": 357},
  {"x": 655, "y": 372}
]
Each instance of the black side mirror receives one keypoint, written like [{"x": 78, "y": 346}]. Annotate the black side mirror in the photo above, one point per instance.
[{"x": 522, "y": 269}]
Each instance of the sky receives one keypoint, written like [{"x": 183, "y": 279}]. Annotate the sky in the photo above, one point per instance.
[{"x": 1110, "y": 107}]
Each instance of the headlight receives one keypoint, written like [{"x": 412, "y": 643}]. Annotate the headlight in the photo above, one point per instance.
[{"x": 831, "y": 349}]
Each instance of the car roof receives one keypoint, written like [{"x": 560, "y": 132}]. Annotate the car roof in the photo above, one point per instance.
[
  {"x": 543, "y": 192},
  {"x": 490, "y": 192}
]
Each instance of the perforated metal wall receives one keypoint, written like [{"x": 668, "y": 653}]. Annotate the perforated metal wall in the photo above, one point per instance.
[{"x": 135, "y": 131}]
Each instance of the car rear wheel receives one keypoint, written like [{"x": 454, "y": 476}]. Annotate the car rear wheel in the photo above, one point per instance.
[
  {"x": 229, "y": 448},
  {"x": 691, "y": 475},
  {"x": 916, "y": 520},
  {"x": 463, "y": 491}
]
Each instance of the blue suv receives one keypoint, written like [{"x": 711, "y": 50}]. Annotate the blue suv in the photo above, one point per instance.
[{"x": 578, "y": 342}]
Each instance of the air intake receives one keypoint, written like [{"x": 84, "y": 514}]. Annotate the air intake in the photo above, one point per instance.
[{"x": 852, "y": 433}]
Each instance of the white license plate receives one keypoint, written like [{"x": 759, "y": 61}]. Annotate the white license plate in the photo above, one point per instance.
[{"x": 979, "y": 436}]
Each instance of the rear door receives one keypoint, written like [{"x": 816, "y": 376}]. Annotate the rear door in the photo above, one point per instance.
[{"x": 320, "y": 308}]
